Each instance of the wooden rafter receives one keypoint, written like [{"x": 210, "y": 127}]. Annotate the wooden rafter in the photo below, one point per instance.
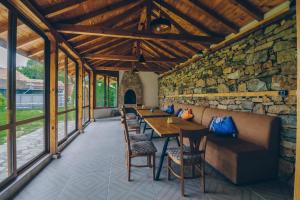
[
  {"x": 190, "y": 20},
  {"x": 215, "y": 15},
  {"x": 108, "y": 44},
  {"x": 61, "y": 8},
  {"x": 127, "y": 68},
  {"x": 162, "y": 49},
  {"x": 249, "y": 8},
  {"x": 98, "y": 12},
  {"x": 108, "y": 32},
  {"x": 133, "y": 58}
]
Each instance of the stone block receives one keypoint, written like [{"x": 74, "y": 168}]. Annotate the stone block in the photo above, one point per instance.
[
  {"x": 264, "y": 46},
  {"x": 286, "y": 56},
  {"x": 254, "y": 85},
  {"x": 234, "y": 75},
  {"x": 222, "y": 88},
  {"x": 259, "y": 109},
  {"x": 280, "y": 109}
]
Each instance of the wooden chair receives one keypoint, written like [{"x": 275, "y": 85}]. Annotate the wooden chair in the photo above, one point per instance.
[
  {"x": 132, "y": 125},
  {"x": 192, "y": 155},
  {"x": 138, "y": 149},
  {"x": 137, "y": 137}
]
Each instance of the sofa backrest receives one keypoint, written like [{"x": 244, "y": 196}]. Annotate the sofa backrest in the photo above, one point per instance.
[{"x": 262, "y": 130}]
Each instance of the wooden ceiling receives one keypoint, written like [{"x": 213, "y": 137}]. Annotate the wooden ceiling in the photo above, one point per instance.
[{"x": 111, "y": 34}]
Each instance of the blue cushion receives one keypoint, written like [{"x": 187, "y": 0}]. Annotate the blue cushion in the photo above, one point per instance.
[
  {"x": 170, "y": 109},
  {"x": 223, "y": 126},
  {"x": 178, "y": 111}
]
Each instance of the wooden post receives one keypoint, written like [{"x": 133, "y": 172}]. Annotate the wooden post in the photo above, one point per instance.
[
  {"x": 80, "y": 105},
  {"x": 92, "y": 117},
  {"x": 53, "y": 97},
  {"x": 297, "y": 165}
]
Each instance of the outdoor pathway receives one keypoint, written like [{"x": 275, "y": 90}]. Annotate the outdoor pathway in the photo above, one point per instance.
[{"x": 92, "y": 168}]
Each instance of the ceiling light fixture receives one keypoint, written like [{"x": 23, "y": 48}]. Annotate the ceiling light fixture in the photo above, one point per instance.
[{"x": 160, "y": 25}]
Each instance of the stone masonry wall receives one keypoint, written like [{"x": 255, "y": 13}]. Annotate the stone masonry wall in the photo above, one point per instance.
[{"x": 265, "y": 60}]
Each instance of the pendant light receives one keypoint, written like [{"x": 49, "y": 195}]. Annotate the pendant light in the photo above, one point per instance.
[{"x": 160, "y": 25}]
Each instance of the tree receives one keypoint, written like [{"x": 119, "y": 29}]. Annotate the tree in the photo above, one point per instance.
[{"x": 33, "y": 69}]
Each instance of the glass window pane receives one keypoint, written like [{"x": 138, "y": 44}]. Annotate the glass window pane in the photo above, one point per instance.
[
  {"x": 113, "y": 92},
  {"x": 30, "y": 141},
  {"x": 100, "y": 88},
  {"x": 4, "y": 172},
  {"x": 30, "y": 73},
  {"x": 86, "y": 89},
  {"x": 86, "y": 114},
  {"x": 61, "y": 127},
  {"x": 71, "y": 101},
  {"x": 71, "y": 121},
  {"x": 61, "y": 81},
  {"x": 3, "y": 65}
]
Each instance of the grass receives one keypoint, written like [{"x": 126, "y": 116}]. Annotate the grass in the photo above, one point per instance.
[
  {"x": 22, "y": 129},
  {"x": 30, "y": 127}
]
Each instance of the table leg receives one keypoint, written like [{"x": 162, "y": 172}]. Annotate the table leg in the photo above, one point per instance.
[
  {"x": 151, "y": 136},
  {"x": 145, "y": 127},
  {"x": 162, "y": 157}
]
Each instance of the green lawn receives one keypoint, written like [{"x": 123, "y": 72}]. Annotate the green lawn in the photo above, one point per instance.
[{"x": 23, "y": 129}]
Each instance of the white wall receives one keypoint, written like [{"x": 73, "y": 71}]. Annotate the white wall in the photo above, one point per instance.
[{"x": 150, "y": 87}]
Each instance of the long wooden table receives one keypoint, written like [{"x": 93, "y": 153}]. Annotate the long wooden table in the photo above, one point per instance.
[
  {"x": 166, "y": 130},
  {"x": 147, "y": 113},
  {"x": 143, "y": 114}
]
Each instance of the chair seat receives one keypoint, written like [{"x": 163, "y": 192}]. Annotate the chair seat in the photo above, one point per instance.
[
  {"x": 130, "y": 116},
  {"x": 174, "y": 154},
  {"x": 142, "y": 148},
  {"x": 133, "y": 126},
  {"x": 138, "y": 137}
]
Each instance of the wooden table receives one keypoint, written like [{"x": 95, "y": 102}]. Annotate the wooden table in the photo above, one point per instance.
[
  {"x": 147, "y": 113},
  {"x": 166, "y": 130},
  {"x": 143, "y": 108},
  {"x": 143, "y": 114}
]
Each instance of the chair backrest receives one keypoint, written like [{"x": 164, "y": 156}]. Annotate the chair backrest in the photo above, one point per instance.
[
  {"x": 196, "y": 140},
  {"x": 126, "y": 132}
]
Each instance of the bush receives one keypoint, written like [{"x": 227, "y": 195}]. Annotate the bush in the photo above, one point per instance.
[{"x": 2, "y": 102}]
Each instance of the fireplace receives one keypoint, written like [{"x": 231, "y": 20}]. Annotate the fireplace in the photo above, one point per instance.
[
  {"x": 130, "y": 97},
  {"x": 130, "y": 89}
]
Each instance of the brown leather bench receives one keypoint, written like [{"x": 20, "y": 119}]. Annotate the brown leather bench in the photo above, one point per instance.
[{"x": 253, "y": 155}]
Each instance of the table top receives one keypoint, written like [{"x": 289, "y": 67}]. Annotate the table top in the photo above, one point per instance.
[
  {"x": 155, "y": 113},
  {"x": 143, "y": 108},
  {"x": 164, "y": 129}
]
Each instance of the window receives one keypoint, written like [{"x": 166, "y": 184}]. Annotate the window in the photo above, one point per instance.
[
  {"x": 106, "y": 88},
  {"x": 66, "y": 96},
  {"x": 86, "y": 97},
  {"x": 23, "y": 98},
  {"x": 112, "y": 91},
  {"x": 5, "y": 156},
  {"x": 100, "y": 90}
]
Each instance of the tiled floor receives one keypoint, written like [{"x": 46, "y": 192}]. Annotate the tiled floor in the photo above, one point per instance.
[{"x": 92, "y": 167}]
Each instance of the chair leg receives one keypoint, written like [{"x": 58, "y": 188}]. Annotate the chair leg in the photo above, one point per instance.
[
  {"x": 168, "y": 168},
  {"x": 153, "y": 157},
  {"x": 148, "y": 161},
  {"x": 203, "y": 175},
  {"x": 193, "y": 171},
  {"x": 182, "y": 179},
  {"x": 129, "y": 167}
]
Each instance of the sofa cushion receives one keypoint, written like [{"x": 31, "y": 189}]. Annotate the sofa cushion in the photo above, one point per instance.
[{"x": 223, "y": 126}]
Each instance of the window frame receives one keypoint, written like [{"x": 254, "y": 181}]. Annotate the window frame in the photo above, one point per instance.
[
  {"x": 66, "y": 110},
  {"x": 84, "y": 122},
  {"x": 12, "y": 123},
  {"x": 106, "y": 76}
]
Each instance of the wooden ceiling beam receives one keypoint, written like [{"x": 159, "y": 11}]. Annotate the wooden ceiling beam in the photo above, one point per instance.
[
  {"x": 215, "y": 15},
  {"x": 190, "y": 20},
  {"x": 101, "y": 11},
  {"x": 61, "y": 8},
  {"x": 109, "y": 32},
  {"x": 108, "y": 47},
  {"x": 104, "y": 45},
  {"x": 155, "y": 45},
  {"x": 132, "y": 58},
  {"x": 249, "y": 8},
  {"x": 124, "y": 68}
]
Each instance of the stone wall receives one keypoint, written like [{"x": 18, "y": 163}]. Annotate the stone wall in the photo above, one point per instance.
[{"x": 265, "y": 60}]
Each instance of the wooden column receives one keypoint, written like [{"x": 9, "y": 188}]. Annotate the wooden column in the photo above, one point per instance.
[
  {"x": 297, "y": 165},
  {"x": 92, "y": 77},
  {"x": 53, "y": 96},
  {"x": 80, "y": 93}
]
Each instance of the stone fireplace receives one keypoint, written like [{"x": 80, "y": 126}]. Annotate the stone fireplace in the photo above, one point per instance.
[{"x": 130, "y": 89}]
